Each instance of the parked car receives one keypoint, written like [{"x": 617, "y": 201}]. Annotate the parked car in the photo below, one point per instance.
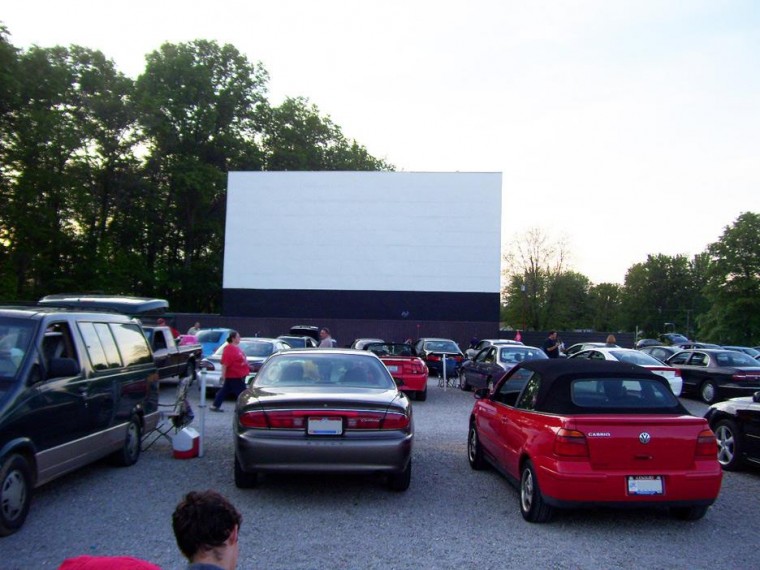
[
  {"x": 174, "y": 360},
  {"x": 660, "y": 352},
  {"x": 746, "y": 350},
  {"x": 305, "y": 330},
  {"x": 75, "y": 387},
  {"x": 410, "y": 372},
  {"x": 736, "y": 423},
  {"x": 361, "y": 343},
  {"x": 690, "y": 345},
  {"x": 436, "y": 351},
  {"x": 256, "y": 349},
  {"x": 716, "y": 374},
  {"x": 645, "y": 342},
  {"x": 490, "y": 364},
  {"x": 326, "y": 410},
  {"x": 296, "y": 341},
  {"x": 672, "y": 338},
  {"x": 582, "y": 433},
  {"x": 577, "y": 347},
  {"x": 211, "y": 339},
  {"x": 632, "y": 356},
  {"x": 485, "y": 343}
]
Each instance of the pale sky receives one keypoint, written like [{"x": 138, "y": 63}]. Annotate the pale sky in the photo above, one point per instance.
[{"x": 629, "y": 127}]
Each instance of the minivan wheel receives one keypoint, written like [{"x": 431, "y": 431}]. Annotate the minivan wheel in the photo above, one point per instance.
[
  {"x": 130, "y": 450},
  {"x": 15, "y": 493}
]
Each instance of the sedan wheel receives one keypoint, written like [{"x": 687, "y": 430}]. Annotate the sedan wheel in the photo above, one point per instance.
[
  {"x": 463, "y": 382},
  {"x": 15, "y": 493},
  {"x": 532, "y": 505},
  {"x": 708, "y": 391},
  {"x": 474, "y": 450},
  {"x": 729, "y": 445},
  {"x": 401, "y": 481},
  {"x": 243, "y": 479}
]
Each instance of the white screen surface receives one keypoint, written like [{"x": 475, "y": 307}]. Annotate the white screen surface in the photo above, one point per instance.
[{"x": 363, "y": 231}]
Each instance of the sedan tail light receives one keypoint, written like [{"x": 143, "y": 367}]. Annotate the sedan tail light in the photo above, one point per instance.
[
  {"x": 570, "y": 443},
  {"x": 206, "y": 365},
  {"x": 707, "y": 445},
  {"x": 745, "y": 376},
  {"x": 353, "y": 420}
]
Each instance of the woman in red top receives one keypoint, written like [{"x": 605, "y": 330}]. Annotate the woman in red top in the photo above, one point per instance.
[{"x": 234, "y": 371}]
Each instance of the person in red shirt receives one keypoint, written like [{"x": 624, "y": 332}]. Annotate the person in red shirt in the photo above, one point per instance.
[{"x": 234, "y": 371}]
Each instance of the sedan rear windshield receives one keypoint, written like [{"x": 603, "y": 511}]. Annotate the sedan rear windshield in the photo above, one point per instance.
[
  {"x": 600, "y": 395},
  {"x": 324, "y": 370},
  {"x": 441, "y": 346},
  {"x": 210, "y": 336},
  {"x": 257, "y": 348}
]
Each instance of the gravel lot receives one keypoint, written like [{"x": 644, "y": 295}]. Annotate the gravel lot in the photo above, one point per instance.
[{"x": 451, "y": 517}]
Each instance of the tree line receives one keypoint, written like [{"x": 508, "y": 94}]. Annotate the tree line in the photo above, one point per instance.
[
  {"x": 119, "y": 185},
  {"x": 714, "y": 296}
]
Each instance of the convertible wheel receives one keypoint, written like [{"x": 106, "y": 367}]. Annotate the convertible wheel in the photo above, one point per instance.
[
  {"x": 243, "y": 479},
  {"x": 401, "y": 481},
  {"x": 474, "y": 450},
  {"x": 421, "y": 396},
  {"x": 532, "y": 505},
  {"x": 729, "y": 445},
  {"x": 15, "y": 493},
  {"x": 130, "y": 449},
  {"x": 688, "y": 513},
  {"x": 708, "y": 392}
]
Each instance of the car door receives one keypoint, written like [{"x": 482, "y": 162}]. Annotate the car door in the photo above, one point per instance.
[
  {"x": 480, "y": 369},
  {"x": 515, "y": 425}
]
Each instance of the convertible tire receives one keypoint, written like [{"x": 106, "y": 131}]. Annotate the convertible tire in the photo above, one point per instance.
[
  {"x": 421, "y": 395},
  {"x": 688, "y": 513},
  {"x": 475, "y": 450},
  {"x": 15, "y": 493},
  {"x": 708, "y": 391},
  {"x": 729, "y": 445},
  {"x": 130, "y": 449},
  {"x": 532, "y": 505},
  {"x": 245, "y": 479},
  {"x": 400, "y": 481}
]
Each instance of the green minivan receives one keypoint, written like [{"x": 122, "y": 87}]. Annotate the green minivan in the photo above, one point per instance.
[{"x": 75, "y": 387}]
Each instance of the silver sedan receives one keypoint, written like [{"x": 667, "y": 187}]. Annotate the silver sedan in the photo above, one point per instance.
[{"x": 332, "y": 410}]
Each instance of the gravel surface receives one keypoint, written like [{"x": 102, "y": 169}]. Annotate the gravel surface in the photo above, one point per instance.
[{"x": 451, "y": 516}]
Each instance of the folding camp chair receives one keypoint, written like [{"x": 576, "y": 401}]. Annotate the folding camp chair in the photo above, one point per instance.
[{"x": 172, "y": 416}]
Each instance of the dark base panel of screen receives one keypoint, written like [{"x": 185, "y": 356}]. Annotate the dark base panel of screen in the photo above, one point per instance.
[{"x": 376, "y": 305}]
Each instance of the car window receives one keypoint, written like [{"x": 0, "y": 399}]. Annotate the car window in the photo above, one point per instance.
[
  {"x": 257, "y": 348},
  {"x": 679, "y": 358},
  {"x": 209, "y": 336},
  {"x": 509, "y": 390},
  {"x": 490, "y": 354},
  {"x": 481, "y": 356},
  {"x": 597, "y": 395},
  {"x": 15, "y": 341},
  {"x": 635, "y": 357},
  {"x": 527, "y": 400},
  {"x": 698, "y": 359},
  {"x": 131, "y": 344}
]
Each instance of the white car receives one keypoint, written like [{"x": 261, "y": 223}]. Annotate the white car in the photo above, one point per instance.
[
  {"x": 256, "y": 349},
  {"x": 631, "y": 356},
  {"x": 485, "y": 343}
]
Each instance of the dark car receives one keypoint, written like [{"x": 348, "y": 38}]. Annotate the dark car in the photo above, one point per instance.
[
  {"x": 696, "y": 344},
  {"x": 641, "y": 343},
  {"x": 745, "y": 349},
  {"x": 74, "y": 387},
  {"x": 661, "y": 352},
  {"x": 672, "y": 338},
  {"x": 330, "y": 410},
  {"x": 439, "y": 352},
  {"x": 736, "y": 423},
  {"x": 716, "y": 374},
  {"x": 297, "y": 341},
  {"x": 490, "y": 364},
  {"x": 594, "y": 433}
]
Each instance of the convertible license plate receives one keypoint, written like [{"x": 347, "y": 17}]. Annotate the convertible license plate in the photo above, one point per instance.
[
  {"x": 392, "y": 368},
  {"x": 325, "y": 426},
  {"x": 645, "y": 485}
]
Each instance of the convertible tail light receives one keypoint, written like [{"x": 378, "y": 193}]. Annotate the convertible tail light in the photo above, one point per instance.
[
  {"x": 570, "y": 443},
  {"x": 707, "y": 445},
  {"x": 297, "y": 419}
]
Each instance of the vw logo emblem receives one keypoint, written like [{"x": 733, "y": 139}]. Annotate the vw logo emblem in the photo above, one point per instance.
[{"x": 644, "y": 437}]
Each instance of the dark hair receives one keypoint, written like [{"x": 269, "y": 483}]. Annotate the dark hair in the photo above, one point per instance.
[
  {"x": 232, "y": 335},
  {"x": 203, "y": 520}
]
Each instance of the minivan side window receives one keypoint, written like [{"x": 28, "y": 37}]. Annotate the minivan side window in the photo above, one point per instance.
[
  {"x": 132, "y": 344},
  {"x": 109, "y": 345},
  {"x": 94, "y": 347}
]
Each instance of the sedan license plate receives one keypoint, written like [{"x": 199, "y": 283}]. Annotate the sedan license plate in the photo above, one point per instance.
[
  {"x": 325, "y": 426},
  {"x": 645, "y": 485},
  {"x": 392, "y": 368}
]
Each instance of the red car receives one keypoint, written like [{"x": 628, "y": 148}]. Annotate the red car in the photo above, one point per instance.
[
  {"x": 410, "y": 372},
  {"x": 578, "y": 433}
]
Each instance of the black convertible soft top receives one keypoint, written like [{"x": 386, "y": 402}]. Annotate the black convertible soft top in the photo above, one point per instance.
[{"x": 557, "y": 375}]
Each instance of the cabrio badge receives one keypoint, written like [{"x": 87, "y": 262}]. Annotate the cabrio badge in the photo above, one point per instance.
[{"x": 644, "y": 437}]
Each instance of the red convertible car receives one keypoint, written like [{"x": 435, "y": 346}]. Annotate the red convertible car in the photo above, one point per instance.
[
  {"x": 410, "y": 372},
  {"x": 579, "y": 433}
]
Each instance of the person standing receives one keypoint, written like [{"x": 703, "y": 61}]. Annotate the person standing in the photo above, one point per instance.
[
  {"x": 551, "y": 345},
  {"x": 207, "y": 526},
  {"x": 611, "y": 341},
  {"x": 234, "y": 370},
  {"x": 193, "y": 330},
  {"x": 325, "y": 340}
]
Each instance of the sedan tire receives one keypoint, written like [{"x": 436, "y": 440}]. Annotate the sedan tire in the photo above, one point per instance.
[
  {"x": 421, "y": 396},
  {"x": 708, "y": 391},
  {"x": 244, "y": 479},
  {"x": 729, "y": 445},
  {"x": 532, "y": 505},
  {"x": 15, "y": 493},
  {"x": 400, "y": 481},
  {"x": 463, "y": 382}
]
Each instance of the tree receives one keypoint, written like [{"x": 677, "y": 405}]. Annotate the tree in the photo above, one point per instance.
[
  {"x": 733, "y": 284},
  {"x": 604, "y": 301}
]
